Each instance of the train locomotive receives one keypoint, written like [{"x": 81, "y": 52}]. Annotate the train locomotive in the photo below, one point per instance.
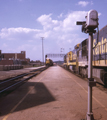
[
  {"x": 48, "y": 62},
  {"x": 77, "y": 60}
]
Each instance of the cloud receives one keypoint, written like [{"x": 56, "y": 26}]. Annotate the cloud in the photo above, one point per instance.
[
  {"x": 67, "y": 24},
  {"x": 15, "y": 33},
  {"x": 61, "y": 15},
  {"x": 99, "y": 14},
  {"x": 84, "y": 3},
  {"x": 91, "y": 3},
  {"x": 57, "y": 33},
  {"x": 5, "y": 45},
  {"x": 47, "y": 22}
]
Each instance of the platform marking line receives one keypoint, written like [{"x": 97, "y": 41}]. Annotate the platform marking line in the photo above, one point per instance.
[
  {"x": 87, "y": 92},
  {"x": 12, "y": 110}
]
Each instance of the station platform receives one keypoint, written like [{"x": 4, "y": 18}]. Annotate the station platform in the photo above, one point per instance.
[
  {"x": 54, "y": 94},
  {"x": 12, "y": 73}
]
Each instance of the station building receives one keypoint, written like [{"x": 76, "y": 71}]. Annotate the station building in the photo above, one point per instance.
[{"x": 13, "y": 58}]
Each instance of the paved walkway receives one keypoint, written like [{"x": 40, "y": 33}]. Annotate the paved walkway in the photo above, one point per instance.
[{"x": 54, "y": 94}]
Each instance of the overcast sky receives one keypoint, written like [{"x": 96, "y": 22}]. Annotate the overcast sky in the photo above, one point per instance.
[{"x": 24, "y": 22}]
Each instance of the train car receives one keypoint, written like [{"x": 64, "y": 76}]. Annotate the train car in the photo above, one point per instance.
[
  {"x": 66, "y": 61},
  {"x": 71, "y": 61},
  {"x": 49, "y": 62},
  {"x": 79, "y": 57},
  {"x": 83, "y": 58},
  {"x": 73, "y": 65}
]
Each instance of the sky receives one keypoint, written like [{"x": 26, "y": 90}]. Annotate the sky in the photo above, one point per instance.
[{"x": 24, "y": 22}]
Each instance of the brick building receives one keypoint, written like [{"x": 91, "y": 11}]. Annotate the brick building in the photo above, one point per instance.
[{"x": 13, "y": 58}]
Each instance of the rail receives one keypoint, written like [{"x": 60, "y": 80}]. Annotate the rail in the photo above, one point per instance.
[{"x": 11, "y": 82}]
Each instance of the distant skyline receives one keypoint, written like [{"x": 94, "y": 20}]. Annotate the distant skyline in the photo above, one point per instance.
[{"x": 24, "y": 22}]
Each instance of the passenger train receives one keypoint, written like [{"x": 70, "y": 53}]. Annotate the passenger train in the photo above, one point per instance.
[{"x": 77, "y": 60}]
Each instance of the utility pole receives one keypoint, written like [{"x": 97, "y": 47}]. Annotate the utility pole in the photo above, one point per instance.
[{"x": 42, "y": 50}]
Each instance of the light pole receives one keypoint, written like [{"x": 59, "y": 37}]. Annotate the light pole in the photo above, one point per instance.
[{"x": 42, "y": 50}]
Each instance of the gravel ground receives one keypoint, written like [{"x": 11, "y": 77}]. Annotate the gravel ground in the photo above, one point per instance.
[{"x": 12, "y": 73}]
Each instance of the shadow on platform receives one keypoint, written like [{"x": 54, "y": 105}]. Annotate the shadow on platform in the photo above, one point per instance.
[{"x": 39, "y": 94}]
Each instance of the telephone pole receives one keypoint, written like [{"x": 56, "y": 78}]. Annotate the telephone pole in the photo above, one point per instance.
[{"x": 42, "y": 50}]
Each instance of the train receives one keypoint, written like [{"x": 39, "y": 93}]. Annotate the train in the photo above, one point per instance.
[
  {"x": 48, "y": 62},
  {"x": 77, "y": 59}
]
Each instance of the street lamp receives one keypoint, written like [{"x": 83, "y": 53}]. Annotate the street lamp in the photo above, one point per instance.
[{"x": 42, "y": 50}]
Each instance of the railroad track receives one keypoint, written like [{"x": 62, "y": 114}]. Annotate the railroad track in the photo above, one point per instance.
[{"x": 10, "y": 83}]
